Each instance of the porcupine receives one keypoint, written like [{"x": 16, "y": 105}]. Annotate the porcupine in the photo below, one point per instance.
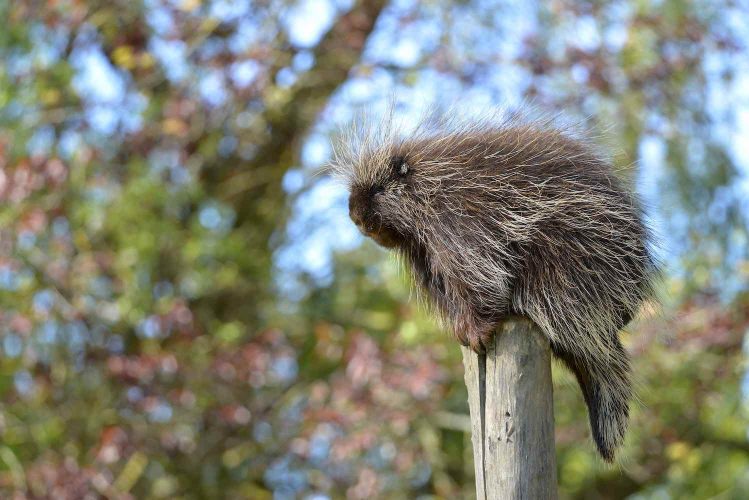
[{"x": 513, "y": 216}]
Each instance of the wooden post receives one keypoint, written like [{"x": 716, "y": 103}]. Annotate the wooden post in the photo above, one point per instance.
[{"x": 512, "y": 415}]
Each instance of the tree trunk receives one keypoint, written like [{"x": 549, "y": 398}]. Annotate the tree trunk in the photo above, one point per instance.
[{"x": 512, "y": 414}]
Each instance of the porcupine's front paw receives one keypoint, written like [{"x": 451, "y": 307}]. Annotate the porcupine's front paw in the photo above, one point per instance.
[{"x": 476, "y": 335}]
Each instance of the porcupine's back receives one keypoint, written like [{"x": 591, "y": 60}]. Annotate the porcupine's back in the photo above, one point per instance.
[
  {"x": 537, "y": 207},
  {"x": 571, "y": 238},
  {"x": 571, "y": 224}
]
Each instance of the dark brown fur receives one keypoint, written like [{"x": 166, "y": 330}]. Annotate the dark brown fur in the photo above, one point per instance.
[{"x": 516, "y": 218}]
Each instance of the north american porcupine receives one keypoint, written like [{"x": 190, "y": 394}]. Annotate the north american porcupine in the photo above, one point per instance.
[{"x": 513, "y": 216}]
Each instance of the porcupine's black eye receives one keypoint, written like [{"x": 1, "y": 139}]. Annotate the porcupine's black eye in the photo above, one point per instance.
[{"x": 399, "y": 165}]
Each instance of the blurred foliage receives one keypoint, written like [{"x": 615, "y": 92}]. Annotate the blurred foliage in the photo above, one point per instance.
[{"x": 152, "y": 175}]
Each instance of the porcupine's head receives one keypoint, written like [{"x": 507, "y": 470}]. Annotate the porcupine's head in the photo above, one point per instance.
[
  {"x": 397, "y": 186},
  {"x": 378, "y": 203}
]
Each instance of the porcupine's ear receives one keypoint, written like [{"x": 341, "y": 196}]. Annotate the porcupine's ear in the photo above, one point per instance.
[{"x": 607, "y": 389}]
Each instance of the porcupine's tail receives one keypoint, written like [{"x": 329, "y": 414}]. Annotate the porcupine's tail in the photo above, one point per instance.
[{"x": 607, "y": 390}]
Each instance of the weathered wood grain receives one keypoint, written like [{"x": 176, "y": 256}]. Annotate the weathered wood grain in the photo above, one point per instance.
[{"x": 512, "y": 415}]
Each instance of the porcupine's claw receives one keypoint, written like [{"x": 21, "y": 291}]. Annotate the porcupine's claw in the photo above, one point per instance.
[
  {"x": 481, "y": 338},
  {"x": 474, "y": 333},
  {"x": 462, "y": 338}
]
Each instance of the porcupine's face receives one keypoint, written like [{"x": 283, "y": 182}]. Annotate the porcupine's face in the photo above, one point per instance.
[{"x": 375, "y": 204}]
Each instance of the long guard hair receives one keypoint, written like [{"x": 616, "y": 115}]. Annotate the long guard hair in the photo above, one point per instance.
[{"x": 513, "y": 215}]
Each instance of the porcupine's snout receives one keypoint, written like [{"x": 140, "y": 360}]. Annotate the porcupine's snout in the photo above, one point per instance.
[
  {"x": 363, "y": 210},
  {"x": 359, "y": 207}
]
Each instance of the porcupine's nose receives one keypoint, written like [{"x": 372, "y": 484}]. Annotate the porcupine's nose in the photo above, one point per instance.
[
  {"x": 353, "y": 212},
  {"x": 356, "y": 208}
]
